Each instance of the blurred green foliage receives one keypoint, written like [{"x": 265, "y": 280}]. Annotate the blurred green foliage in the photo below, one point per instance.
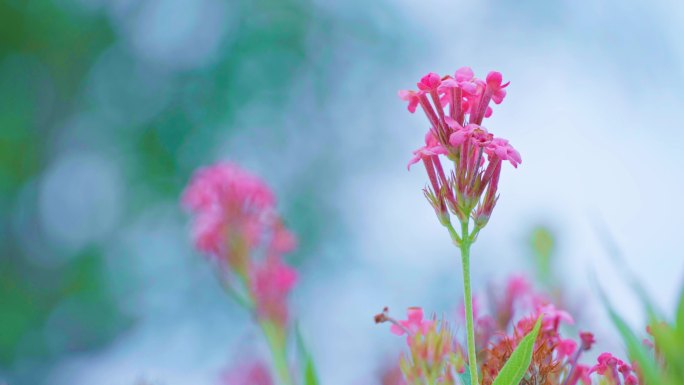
[
  {"x": 543, "y": 245},
  {"x": 663, "y": 362},
  {"x": 61, "y": 61}
]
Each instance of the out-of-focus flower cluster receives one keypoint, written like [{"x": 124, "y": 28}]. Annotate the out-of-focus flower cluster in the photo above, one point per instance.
[
  {"x": 236, "y": 225},
  {"x": 436, "y": 356},
  {"x": 455, "y": 107}
]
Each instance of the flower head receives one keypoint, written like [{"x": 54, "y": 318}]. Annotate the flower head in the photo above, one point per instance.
[
  {"x": 455, "y": 107},
  {"x": 237, "y": 225}
]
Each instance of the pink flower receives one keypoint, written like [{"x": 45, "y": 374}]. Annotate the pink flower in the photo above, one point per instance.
[
  {"x": 494, "y": 80},
  {"x": 208, "y": 232},
  {"x": 581, "y": 373},
  {"x": 282, "y": 240},
  {"x": 270, "y": 283},
  {"x": 587, "y": 339},
  {"x": 518, "y": 286},
  {"x": 430, "y": 82},
  {"x": 566, "y": 348},
  {"x": 606, "y": 364},
  {"x": 412, "y": 97},
  {"x": 227, "y": 201},
  {"x": 413, "y": 324},
  {"x": 464, "y": 79},
  {"x": 473, "y": 182},
  {"x": 255, "y": 373},
  {"x": 503, "y": 150},
  {"x": 432, "y": 147},
  {"x": 212, "y": 185},
  {"x": 460, "y": 134},
  {"x": 553, "y": 317}
]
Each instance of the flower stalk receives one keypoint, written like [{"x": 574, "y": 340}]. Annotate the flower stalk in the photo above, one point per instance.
[{"x": 466, "y": 242}]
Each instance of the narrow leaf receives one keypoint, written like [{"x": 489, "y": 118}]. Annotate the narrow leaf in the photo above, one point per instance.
[
  {"x": 679, "y": 322},
  {"x": 635, "y": 348},
  {"x": 517, "y": 365},
  {"x": 309, "y": 368}
]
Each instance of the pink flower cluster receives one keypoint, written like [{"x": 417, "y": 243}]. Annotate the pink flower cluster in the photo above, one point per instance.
[
  {"x": 555, "y": 360},
  {"x": 434, "y": 356},
  {"x": 237, "y": 225},
  {"x": 455, "y": 107}
]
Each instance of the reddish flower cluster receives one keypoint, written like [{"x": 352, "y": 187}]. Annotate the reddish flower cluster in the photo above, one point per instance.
[
  {"x": 455, "y": 107},
  {"x": 237, "y": 225},
  {"x": 555, "y": 359}
]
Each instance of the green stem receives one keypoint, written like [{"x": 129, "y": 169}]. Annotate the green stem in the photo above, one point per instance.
[
  {"x": 452, "y": 232},
  {"x": 466, "y": 242},
  {"x": 275, "y": 337}
]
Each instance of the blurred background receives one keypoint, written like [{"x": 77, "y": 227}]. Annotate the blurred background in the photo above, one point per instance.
[{"x": 107, "y": 106}]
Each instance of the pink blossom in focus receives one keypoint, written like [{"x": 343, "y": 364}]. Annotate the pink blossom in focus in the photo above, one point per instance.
[
  {"x": 430, "y": 82},
  {"x": 503, "y": 150},
  {"x": 464, "y": 79},
  {"x": 432, "y": 147},
  {"x": 461, "y": 134},
  {"x": 412, "y": 97},
  {"x": 494, "y": 80}
]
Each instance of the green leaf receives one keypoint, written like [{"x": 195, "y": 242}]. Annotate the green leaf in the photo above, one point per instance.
[
  {"x": 309, "y": 368},
  {"x": 517, "y": 365},
  {"x": 679, "y": 323},
  {"x": 635, "y": 348}
]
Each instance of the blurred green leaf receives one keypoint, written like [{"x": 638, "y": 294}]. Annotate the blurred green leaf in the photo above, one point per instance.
[
  {"x": 309, "y": 372},
  {"x": 543, "y": 246}
]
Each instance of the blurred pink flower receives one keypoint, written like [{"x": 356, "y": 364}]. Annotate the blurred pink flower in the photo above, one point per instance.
[
  {"x": 253, "y": 373},
  {"x": 566, "y": 348},
  {"x": 270, "y": 283},
  {"x": 587, "y": 339},
  {"x": 413, "y": 324},
  {"x": 553, "y": 317}
]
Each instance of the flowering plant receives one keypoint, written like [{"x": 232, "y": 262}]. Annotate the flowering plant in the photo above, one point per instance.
[
  {"x": 519, "y": 341},
  {"x": 238, "y": 228},
  {"x": 530, "y": 351}
]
